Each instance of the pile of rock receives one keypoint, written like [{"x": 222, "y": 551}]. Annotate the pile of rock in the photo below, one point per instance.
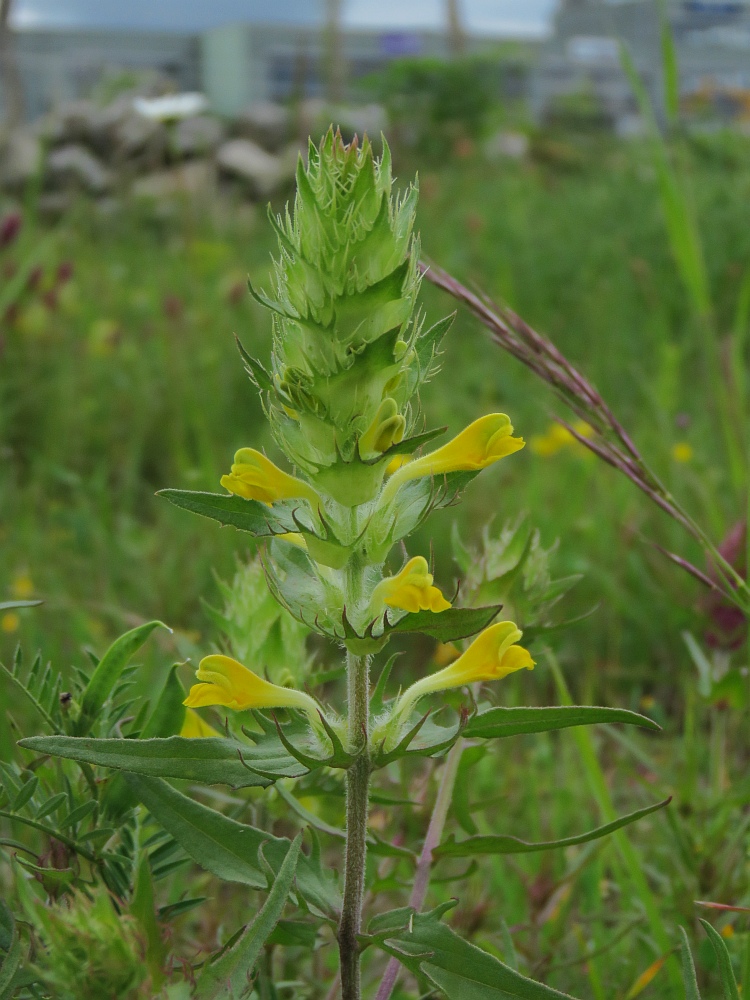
[{"x": 122, "y": 148}]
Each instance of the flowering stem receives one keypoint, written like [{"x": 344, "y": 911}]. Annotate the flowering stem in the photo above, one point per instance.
[
  {"x": 424, "y": 865},
  {"x": 357, "y": 794}
]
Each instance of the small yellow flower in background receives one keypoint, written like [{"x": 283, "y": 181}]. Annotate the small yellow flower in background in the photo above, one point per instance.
[
  {"x": 10, "y": 622},
  {"x": 194, "y": 728},
  {"x": 22, "y": 587},
  {"x": 492, "y": 656},
  {"x": 255, "y": 477},
  {"x": 682, "y": 452},
  {"x": 410, "y": 590},
  {"x": 647, "y": 702},
  {"x": 727, "y": 931},
  {"x": 557, "y": 437},
  {"x": 225, "y": 681}
]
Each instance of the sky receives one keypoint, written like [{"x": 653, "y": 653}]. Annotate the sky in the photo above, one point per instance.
[{"x": 521, "y": 17}]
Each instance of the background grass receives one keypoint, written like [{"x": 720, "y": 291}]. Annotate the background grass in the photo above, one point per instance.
[{"x": 130, "y": 381}]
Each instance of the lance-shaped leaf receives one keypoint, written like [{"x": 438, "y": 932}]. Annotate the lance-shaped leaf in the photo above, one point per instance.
[
  {"x": 227, "y": 508},
  {"x": 230, "y": 973},
  {"x": 429, "y": 948},
  {"x": 229, "y": 849},
  {"x": 445, "y": 626},
  {"x": 108, "y": 672},
  {"x": 497, "y": 723},
  {"x": 502, "y": 844},
  {"x": 212, "y": 761},
  {"x": 729, "y": 990},
  {"x": 11, "y": 960},
  {"x": 689, "y": 980}
]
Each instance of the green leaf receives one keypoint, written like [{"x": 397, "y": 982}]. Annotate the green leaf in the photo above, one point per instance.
[
  {"x": 11, "y": 961},
  {"x": 108, "y": 673},
  {"x": 213, "y": 761},
  {"x": 12, "y": 605},
  {"x": 231, "y": 971},
  {"x": 229, "y": 849},
  {"x": 27, "y": 791},
  {"x": 688, "y": 969},
  {"x": 726, "y": 972},
  {"x": 445, "y": 626},
  {"x": 143, "y": 908},
  {"x": 462, "y": 971},
  {"x": 165, "y": 721},
  {"x": 498, "y": 723},
  {"x": 502, "y": 844},
  {"x": 226, "y": 508}
]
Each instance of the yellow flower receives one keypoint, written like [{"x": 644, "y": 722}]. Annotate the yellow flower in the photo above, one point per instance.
[
  {"x": 225, "y": 681},
  {"x": 194, "y": 728},
  {"x": 386, "y": 429},
  {"x": 10, "y": 622},
  {"x": 255, "y": 477},
  {"x": 558, "y": 437},
  {"x": 294, "y": 538},
  {"x": 409, "y": 590},
  {"x": 682, "y": 452},
  {"x": 492, "y": 656},
  {"x": 727, "y": 931},
  {"x": 22, "y": 587},
  {"x": 395, "y": 463},
  {"x": 480, "y": 444}
]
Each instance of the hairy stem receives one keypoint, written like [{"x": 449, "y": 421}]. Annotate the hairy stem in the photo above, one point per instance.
[
  {"x": 357, "y": 788},
  {"x": 424, "y": 865}
]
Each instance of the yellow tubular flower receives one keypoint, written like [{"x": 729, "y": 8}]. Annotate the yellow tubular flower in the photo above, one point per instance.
[
  {"x": 194, "y": 728},
  {"x": 480, "y": 444},
  {"x": 492, "y": 656},
  {"x": 225, "y": 681},
  {"x": 409, "y": 590},
  {"x": 255, "y": 477}
]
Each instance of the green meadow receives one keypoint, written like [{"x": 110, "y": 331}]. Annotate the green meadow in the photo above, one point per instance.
[{"x": 122, "y": 377}]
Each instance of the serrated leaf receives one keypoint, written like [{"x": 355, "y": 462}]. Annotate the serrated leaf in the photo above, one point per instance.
[
  {"x": 462, "y": 971},
  {"x": 502, "y": 844},
  {"x": 498, "y": 723},
  {"x": 231, "y": 971},
  {"x": 229, "y": 849},
  {"x": 445, "y": 626},
  {"x": 726, "y": 972},
  {"x": 213, "y": 761},
  {"x": 226, "y": 508},
  {"x": 108, "y": 673}
]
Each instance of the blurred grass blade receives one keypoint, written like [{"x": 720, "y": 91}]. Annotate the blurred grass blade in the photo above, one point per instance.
[
  {"x": 628, "y": 854},
  {"x": 11, "y": 961},
  {"x": 498, "y": 723},
  {"x": 503, "y": 844},
  {"x": 232, "y": 970},
  {"x": 108, "y": 673},
  {"x": 143, "y": 908},
  {"x": 688, "y": 969},
  {"x": 669, "y": 68},
  {"x": 726, "y": 972},
  {"x": 646, "y": 978}
]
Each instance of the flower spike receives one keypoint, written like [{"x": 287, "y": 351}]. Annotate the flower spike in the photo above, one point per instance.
[
  {"x": 410, "y": 590},
  {"x": 255, "y": 477},
  {"x": 225, "y": 681},
  {"x": 492, "y": 656}
]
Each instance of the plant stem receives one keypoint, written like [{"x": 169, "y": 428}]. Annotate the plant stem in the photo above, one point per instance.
[
  {"x": 424, "y": 865},
  {"x": 357, "y": 788}
]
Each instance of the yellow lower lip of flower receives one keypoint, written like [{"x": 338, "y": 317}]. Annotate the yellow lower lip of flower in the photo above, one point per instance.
[
  {"x": 225, "y": 681},
  {"x": 482, "y": 443},
  {"x": 410, "y": 590},
  {"x": 492, "y": 656},
  {"x": 255, "y": 477}
]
